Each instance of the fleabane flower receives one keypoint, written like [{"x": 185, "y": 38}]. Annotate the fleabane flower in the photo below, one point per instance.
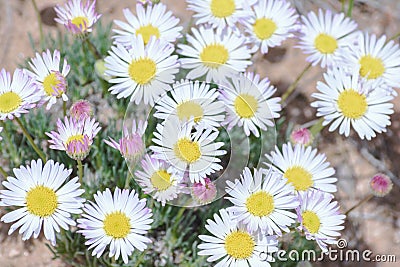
[
  {"x": 248, "y": 103},
  {"x": 131, "y": 145},
  {"x": 262, "y": 201},
  {"x": 18, "y": 94},
  {"x": 303, "y": 168},
  {"x": 77, "y": 17},
  {"x": 120, "y": 221},
  {"x": 302, "y": 136},
  {"x": 142, "y": 73},
  {"x": 150, "y": 21},
  {"x": 231, "y": 244},
  {"x": 271, "y": 22},
  {"x": 183, "y": 149},
  {"x": 75, "y": 137},
  {"x": 380, "y": 185},
  {"x": 324, "y": 36},
  {"x": 204, "y": 193},
  {"x": 377, "y": 59},
  {"x": 345, "y": 101},
  {"x": 192, "y": 100},
  {"x": 49, "y": 76},
  {"x": 320, "y": 217},
  {"x": 220, "y": 13},
  {"x": 46, "y": 199},
  {"x": 217, "y": 54},
  {"x": 81, "y": 109},
  {"x": 158, "y": 179}
]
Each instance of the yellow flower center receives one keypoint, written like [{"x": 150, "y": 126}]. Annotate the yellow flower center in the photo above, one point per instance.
[
  {"x": 187, "y": 150},
  {"x": 117, "y": 225},
  {"x": 189, "y": 109},
  {"x": 214, "y": 55},
  {"x": 78, "y": 137},
  {"x": 299, "y": 177},
  {"x": 143, "y": 70},
  {"x": 41, "y": 201},
  {"x": 239, "y": 245},
  {"x": 81, "y": 23},
  {"x": 260, "y": 204},
  {"x": 246, "y": 105},
  {"x": 161, "y": 180},
  {"x": 325, "y": 43},
  {"x": 371, "y": 67},
  {"x": 222, "y": 8},
  {"x": 49, "y": 82},
  {"x": 264, "y": 28},
  {"x": 352, "y": 104},
  {"x": 311, "y": 221},
  {"x": 9, "y": 102},
  {"x": 147, "y": 32}
]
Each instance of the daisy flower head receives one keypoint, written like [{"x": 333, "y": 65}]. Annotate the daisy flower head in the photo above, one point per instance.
[
  {"x": 380, "y": 185},
  {"x": 262, "y": 201},
  {"x": 320, "y": 217},
  {"x": 204, "y": 193},
  {"x": 77, "y": 17},
  {"x": 18, "y": 94},
  {"x": 46, "y": 199},
  {"x": 217, "y": 54},
  {"x": 131, "y": 144},
  {"x": 150, "y": 21},
  {"x": 347, "y": 102},
  {"x": 120, "y": 220},
  {"x": 302, "y": 136},
  {"x": 248, "y": 103},
  {"x": 192, "y": 100},
  {"x": 220, "y": 13},
  {"x": 303, "y": 168},
  {"x": 270, "y": 23},
  {"x": 81, "y": 109},
  {"x": 183, "y": 149},
  {"x": 158, "y": 179},
  {"x": 142, "y": 73},
  {"x": 49, "y": 76},
  {"x": 233, "y": 245},
  {"x": 75, "y": 137},
  {"x": 377, "y": 59},
  {"x": 325, "y": 36}
]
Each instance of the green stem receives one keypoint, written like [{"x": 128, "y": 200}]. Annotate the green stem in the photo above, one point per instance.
[
  {"x": 394, "y": 37},
  {"x": 343, "y": 5},
  {"x": 292, "y": 87},
  {"x": 80, "y": 171},
  {"x": 359, "y": 204},
  {"x": 93, "y": 48},
  {"x": 350, "y": 10},
  {"x": 31, "y": 142},
  {"x": 40, "y": 22},
  {"x": 139, "y": 261},
  {"x": 65, "y": 108},
  {"x": 10, "y": 144},
  {"x": 3, "y": 172},
  {"x": 128, "y": 180},
  {"x": 317, "y": 127}
]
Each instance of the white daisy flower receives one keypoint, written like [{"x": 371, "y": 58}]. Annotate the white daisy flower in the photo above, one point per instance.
[
  {"x": 220, "y": 13},
  {"x": 271, "y": 23},
  {"x": 158, "y": 179},
  {"x": 262, "y": 203},
  {"x": 303, "y": 168},
  {"x": 17, "y": 96},
  {"x": 320, "y": 218},
  {"x": 44, "y": 197},
  {"x": 323, "y": 37},
  {"x": 151, "y": 20},
  {"x": 248, "y": 103},
  {"x": 192, "y": 100},
  {"x": 217, "y": 54},
  {"x": 120, "y": 221},
  {"x": 77, "y": 17},
  {"x": 233, "y": 245},
  {"x": 75, "y": 137},
  {"x": 347, "y": 102},
  {"x": 49, "y": 77},
  {"x": 378, "y": 61},
  {"x": 142, "y": 72},
  {"x": 182, "y": 149}
]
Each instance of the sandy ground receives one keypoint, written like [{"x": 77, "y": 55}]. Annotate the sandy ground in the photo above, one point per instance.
[{"x": 374, "y": 226}]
